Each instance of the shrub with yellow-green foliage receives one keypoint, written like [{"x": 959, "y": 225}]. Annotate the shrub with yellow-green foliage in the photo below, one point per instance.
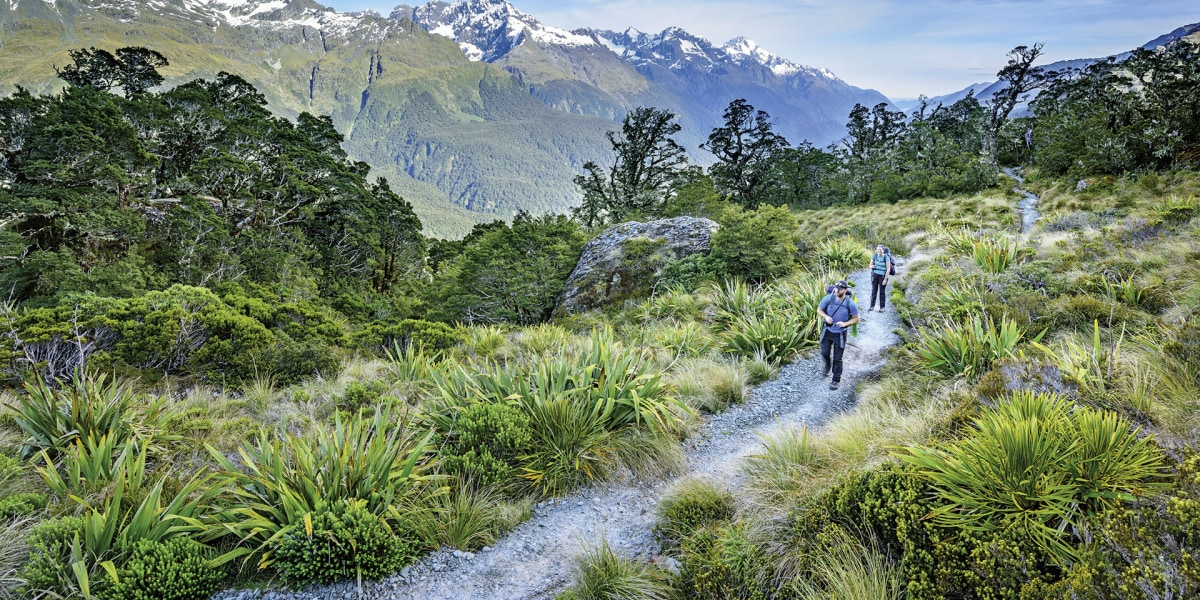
[
  {"x": 1124, "y": 560},
  {"x": 341, "y": 540},
  {"x": 180, "y": 330},
  {"x": 487, "y": 441},
  {"x": 720, "y": 561},
  {"x": 177, "y": 569}
]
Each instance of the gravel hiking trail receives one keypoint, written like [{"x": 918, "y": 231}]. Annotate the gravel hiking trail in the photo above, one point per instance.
[
  {"x": 1028, "y": 204},
  {"x": 536, "y": 560}
]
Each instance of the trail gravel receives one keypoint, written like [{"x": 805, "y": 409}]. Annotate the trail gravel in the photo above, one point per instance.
[{"x": 535, "y": 561}]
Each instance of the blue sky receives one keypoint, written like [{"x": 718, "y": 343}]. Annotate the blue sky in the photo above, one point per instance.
[{"x": 902, "y": 48}]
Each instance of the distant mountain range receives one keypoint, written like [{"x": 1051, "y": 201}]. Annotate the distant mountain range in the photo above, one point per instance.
[{"x": 472, "y": 109}]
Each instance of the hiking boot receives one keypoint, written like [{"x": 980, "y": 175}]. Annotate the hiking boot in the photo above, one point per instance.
[
  {"x": 880, "y": 309},
  {"x": 835, "y": 385}
]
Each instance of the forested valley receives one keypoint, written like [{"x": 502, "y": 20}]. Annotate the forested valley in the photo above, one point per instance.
[{"x": 231, "y": 359}]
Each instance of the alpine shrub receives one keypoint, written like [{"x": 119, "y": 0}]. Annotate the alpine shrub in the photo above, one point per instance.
[
  {"x": 20, "y": 505},
  {"x": 490, "y": 439},
  {"x": 359, "y": 395},
  {"x": 177, "y": 569},
  {"x": 49, "y": 557},
  {"x": 381, "y": 337},
  {"x": 341, "y": 541},
  {"x": 719, "y": 562}
]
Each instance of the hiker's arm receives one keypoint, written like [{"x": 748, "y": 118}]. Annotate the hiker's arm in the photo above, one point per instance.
[
  {"x": 828, "y": 319},
  {"x": 852, "y": 321}
]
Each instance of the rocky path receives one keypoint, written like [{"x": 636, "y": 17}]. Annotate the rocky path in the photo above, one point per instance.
[
  {"x": 1028, "y": 205},
  {"x": 535, "y": 561}
]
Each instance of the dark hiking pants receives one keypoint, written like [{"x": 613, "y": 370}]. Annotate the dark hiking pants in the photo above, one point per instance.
[
  {"x": 835, "y": 343},
  {"x": 878, "y": 289}
]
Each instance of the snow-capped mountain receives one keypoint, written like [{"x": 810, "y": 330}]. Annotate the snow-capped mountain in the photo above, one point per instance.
[
  {"x": 486, "y": 30},
  {"x": 601, "y": 72}
]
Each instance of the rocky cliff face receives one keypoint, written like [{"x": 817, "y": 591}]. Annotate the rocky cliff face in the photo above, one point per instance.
[{"x": 626, "y": 260}]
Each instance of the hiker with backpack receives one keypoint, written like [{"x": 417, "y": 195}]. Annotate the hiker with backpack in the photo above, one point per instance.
[
  {"x": 839, "y": 312},
  {"x": 882, "y": 267}
]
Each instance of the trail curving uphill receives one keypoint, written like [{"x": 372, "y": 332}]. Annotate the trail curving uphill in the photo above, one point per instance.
[
  {"x": 1028, "y": 204},
  {"x": 535, "y": 561}
]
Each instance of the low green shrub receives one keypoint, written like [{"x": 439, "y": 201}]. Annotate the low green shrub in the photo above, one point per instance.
[
  {"x": 20, "y": 505},
  {"x": 755, "y": 245},
  {"x": 177, "y": 569},
  {"x": 294, "y": 361},
  {"x": 341, "y": 540},
  {"x": 689, "y": 506},
  {"x": 50, "y": 556},
  {"x": 1124, "y": 560},
  {"x": 719, "y": 562},
  {"x": 382, "y": 336},
  {"x": 487, "y": 442},
  {"x": 361, "y": 395},
  {"x": 687, "y": 274},
  {"x": 889, "y": 508}
]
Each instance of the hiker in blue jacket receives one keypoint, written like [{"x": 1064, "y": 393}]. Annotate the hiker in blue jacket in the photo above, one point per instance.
[
  {"x": 882, "y": 267},
  {"x": 839, "y": 312}
]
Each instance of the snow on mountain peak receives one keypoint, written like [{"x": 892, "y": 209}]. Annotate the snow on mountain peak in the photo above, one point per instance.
[
  {"x": 741, "y": 48},
  {"x": 273, "y": 14},
  {"x": 487, "y": 29}
]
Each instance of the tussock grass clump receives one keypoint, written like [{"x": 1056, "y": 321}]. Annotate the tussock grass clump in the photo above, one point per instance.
[
  {"x": 688, "y": 506},
  {"x": 543, "y": 339},
  {"x": 675, "y": 304},
  {"x": 786, "y": 468},
  {"x": 774, "y": 337},
  {"x": 601, "y": 574},
  {"x": 485, "y": 341},
  {"x": 684, "y": 339},
  {"x": 280, "y": 480},
  {"x": 465, "y": 517},
  {"x": 710, "y": 384},
  {"x": 995, "y": 255},
  {"x": 851, "y": 570},
  {"x": 89, "y": 408}
]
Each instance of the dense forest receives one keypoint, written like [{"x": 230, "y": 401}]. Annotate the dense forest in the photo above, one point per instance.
[{"x": 231, "y": 358}]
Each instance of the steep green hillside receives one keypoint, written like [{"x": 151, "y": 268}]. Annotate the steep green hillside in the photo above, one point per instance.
[{"x": 462, "y": 141}]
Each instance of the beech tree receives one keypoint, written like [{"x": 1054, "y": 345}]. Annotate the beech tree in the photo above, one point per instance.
[
  {"x": 645, "y": 168},
  {"x": 744, "y": 146}
]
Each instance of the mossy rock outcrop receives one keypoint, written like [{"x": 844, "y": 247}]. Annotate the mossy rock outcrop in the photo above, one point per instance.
[{"x": 627, "y": 259}]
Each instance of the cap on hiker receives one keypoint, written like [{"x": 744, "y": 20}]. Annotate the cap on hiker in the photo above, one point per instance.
[{"x": 842, "y": 284}]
